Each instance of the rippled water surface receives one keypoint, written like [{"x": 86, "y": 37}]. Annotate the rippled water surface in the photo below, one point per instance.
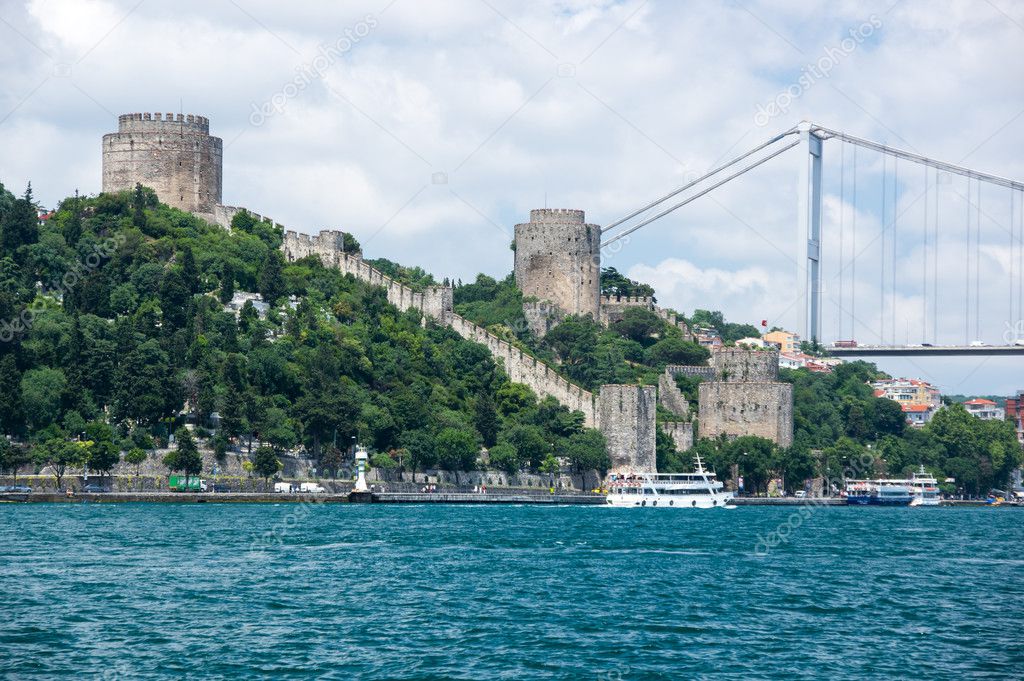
[{"x": 423, "y": 592}]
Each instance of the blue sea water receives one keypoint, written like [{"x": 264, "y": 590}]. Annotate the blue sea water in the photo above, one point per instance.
[{"x": 426, "y": 592}]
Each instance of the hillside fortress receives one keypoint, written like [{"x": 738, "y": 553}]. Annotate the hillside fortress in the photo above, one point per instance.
[
  {"x": 172, "y": 154},
  {"x": 558, "y": 269}
]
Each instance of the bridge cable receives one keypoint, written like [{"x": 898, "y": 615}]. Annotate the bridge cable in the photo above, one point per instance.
[
  {"x": 967, "y": 271},
  {"x": 700, "y": 179},
  {"x": 853, "y": 259},
  {"x": 1013, "y": 233},
  {"x": 935, "y": 267},
  {"x": 644, "y": 223},
  {"x": 977, "y": 269},
  {"x": 924, "y": 262},
  {"x": 842, "y": 209},
  {"x": 881, "y": 274},
  {"x": 895, "y": 217}
]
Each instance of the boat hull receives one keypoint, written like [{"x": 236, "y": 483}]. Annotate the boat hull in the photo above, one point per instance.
[
  {"x": 872, "y": 500},
  {"x": 669, "y": 501}
]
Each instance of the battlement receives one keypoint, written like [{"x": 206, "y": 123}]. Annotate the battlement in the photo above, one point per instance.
[
  {"x": 160, "y": 122},
  {"x": 558, "y": 216},
  {"x": 627, "y": 300}
]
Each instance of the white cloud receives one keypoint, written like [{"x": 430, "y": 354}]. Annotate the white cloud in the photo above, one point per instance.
[{"x": 659, "y": 89}]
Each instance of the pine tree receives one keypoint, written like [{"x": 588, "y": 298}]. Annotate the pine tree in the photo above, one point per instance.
[
  {"x": 138, "y": 207},
  {"x": 20, "y": 226},
  {"x": 189, "y": 270},
  {"x": 271, "y": 280},
  {"x": 227, "y": 283},
  {"x": 73, "y": 229}
]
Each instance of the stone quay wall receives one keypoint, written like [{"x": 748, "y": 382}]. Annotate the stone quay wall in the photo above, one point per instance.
[{"x": 173, "y": 154}]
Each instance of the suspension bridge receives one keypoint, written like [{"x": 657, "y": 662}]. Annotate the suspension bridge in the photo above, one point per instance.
[{"x": 945, "y": 254}]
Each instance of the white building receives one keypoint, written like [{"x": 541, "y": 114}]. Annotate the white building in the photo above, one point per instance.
[{"x": 986, "y": 410}]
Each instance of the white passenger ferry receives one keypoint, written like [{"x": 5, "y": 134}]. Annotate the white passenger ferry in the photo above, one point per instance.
[
  {"x": 699, "y": 489},
  {"x": 924, "y": 487}
]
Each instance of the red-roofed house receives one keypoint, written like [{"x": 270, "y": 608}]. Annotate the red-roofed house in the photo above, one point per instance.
[
  {"x": 986, "y": 410},
  {"x": 917, "y": 414}
]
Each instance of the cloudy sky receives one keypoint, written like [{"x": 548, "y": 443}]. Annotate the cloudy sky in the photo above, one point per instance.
[{"x": 428, "y": 129}]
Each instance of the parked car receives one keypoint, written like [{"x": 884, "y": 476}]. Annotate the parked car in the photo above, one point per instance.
[
  {"x": 311, "y": 488},
  {"x": 221, "y": 487},
  {"x": 94, "y": 488},
  {"x": 800, "y": 494}
]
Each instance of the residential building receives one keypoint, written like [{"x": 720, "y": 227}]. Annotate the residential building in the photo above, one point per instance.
[
  {"x": 917, "y": 414},
  {"x": 751, "y": 342},
  {"x": 918, "y": 399},
  {"x": 707, "y": 337},
  {"x": 986, "y": 410},
  {"x": 240, "y": 298},
  {"x": 788, "y": 343},
  {"x": 799, "y": 360},
  {"x": 908, "y": 391},
  {"x": 1015, "y": 413}
]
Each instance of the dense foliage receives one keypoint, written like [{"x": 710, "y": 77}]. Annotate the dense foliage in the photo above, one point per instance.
[{"x": 114, "y": 316}]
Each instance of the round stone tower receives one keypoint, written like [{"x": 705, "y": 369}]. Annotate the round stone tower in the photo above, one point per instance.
[
  {"x": 558, "y": 259},
  {"x": 173, "y": 154}
]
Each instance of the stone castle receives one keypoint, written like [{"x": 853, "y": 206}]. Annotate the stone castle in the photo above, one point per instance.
[
  {"x": 557, "y": 267},
  {"x": 172, "y": 154}
]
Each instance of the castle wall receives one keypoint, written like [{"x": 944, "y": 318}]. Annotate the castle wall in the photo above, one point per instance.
[
  {"x": 671, "y": 397},
  {"x": 613, "y": 307},
  {"x": 541, "y": 317},
  {"x": 174, "y": 155},
  {"x": 627, "y": 418},
  {"x": 558, "y": 259},
  {"x": 530, "y": 371},
  {"x": 735, "y": 409},
  {"x": 681, "y": 433},
  {"x": 738, "y": 365},
  {"x": 707, "y": 373}
]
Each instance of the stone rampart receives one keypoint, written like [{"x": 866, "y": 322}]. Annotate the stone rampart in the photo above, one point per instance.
[
  {"x": 735, "y": 409},
  {"x": 627, "y": 418},
  {"x": 681, "y": 433},
  {"x": 671, "y": 397},
  {"x": 744, "y": 365}
]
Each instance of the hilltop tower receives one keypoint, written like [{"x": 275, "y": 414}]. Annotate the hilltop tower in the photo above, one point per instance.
[
  {"x": 173, "y": 154},
  {"x": 558, "y": 261}
]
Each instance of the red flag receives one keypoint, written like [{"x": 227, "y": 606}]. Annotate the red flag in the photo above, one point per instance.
[{"x": 764, "y": 322}]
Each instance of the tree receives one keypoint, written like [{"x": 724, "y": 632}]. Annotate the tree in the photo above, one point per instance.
[
  {"x": 638, "y": 324},
  {"x": 550, "y": 465},
  {"x": 59, "y": 455},
  {"x": 529, "y": 442},
  {"x": 186, "y": 457},
  {"x": 135, "y": 456},
  {"x": 190, "y": 271},
  {"x": 12, "y": 458},
  {"x": 456, "y": 450},
  {"x": 102, "y": 456},
  {"x": 276, "y": 428},
  {"x": 676, "y": 351},
  {"x": 331, "y": 460},
  {"x": 271, "y": 279},
  {"x": 587, "y": 451},
  {"x": 227, "y": 283},
  {"x": 41, "y": 393},
  {"x": 265, "y": 463},
  {"x": 19, "y": 226},
  {"x": 12, "y": 415},
  {"x": 486, "y": 419},
  {"x": 504, "y": 457}
]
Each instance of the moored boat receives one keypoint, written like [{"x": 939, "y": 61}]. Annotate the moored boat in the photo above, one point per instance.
[
  {"x": 699, "y": 489},
  {"x": 878, "y": 493},
  {"x": 924, "y": 487}
]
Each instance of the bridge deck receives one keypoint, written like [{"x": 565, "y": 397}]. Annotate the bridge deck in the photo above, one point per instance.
[{"x": 918, "y": 351}]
